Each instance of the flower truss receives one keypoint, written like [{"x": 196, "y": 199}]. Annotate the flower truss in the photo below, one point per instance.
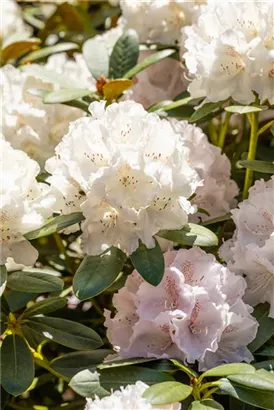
[
  {"x": 195, "y": 313},
  {"x": 250, "y": 251},
  {"x": 230, "y": 52}
]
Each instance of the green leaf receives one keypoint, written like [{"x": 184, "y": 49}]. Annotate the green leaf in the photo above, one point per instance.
[
  {"x": 3, "y": 322},
  {"x": 17, "y": 49},
  {"x": 96, "y": 57},
  {"x": 175, "y": 104},
  {"x": 244, "y": 109},
  {"x": 207, "y": 404},
  {"x": 17, "y": 300},
  {"x": 124, "y": 55},
  {"x": 191, "y": 235},
  {"x": 97, "y": 273},
  {"x": 204, "y": 110},
  {"x": 227, "y": 369},
  {"x": 254, "y": 381},
  {"x": 66, "y": 332},
  {"x": 17, "y": 367},
  {"x": 44, "y": 306},
  {"x": 167, "y": 393},
  {"x": 72, "y": 363},
  {"x": 56, "y": 224},
  {"x": 86, "y": 383},
  {"x": 3, "y": 279},
  {"x": 125, "y": 362},
  {"x": 148, "y": 61},
  {"x": 258, "y": 166},
  {"x": 266, "y": 327},
  {"x": 267, "y": 349},
  {"x": 266, "y": 365},
  {"x": 219, "y": 219},
  {"x": 149, "y": 263},
  {"x": 257, "y": 398},
  {"x": 49, "y": 75},
  {"x": 65, "y": 95},
  {"x": 34, "y": 282},
  {"x": 47, "y": 51}
]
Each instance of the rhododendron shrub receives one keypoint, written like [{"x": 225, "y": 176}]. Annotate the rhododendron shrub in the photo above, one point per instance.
[{"x": 137, "y": 205}]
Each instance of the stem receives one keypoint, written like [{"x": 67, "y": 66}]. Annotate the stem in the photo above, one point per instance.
[
  {"x": 210, "y": 392},
  {"x": 208, "y": 385},
  {"x": 65, "y": 292},
  {"x": 191, "y": 373},
  {"x": 251, "y": 152},
  {"x": 43, "y": 363},
  {"x": 223, "y": 131},
  {"x": 212, "y": 133},
  {"x": 62, "y": 250},
  {"x": 265, "y": 127}
]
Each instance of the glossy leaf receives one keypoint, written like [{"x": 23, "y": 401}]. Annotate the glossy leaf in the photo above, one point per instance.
[
  {"x": 267, "y": 365},
  {"x": 56, "y": 224},
  {"x": 167, "y": 393},
  {"x": 204, "y": 110},
  {"x": 17, "y": 300},
  {"x": 207, "y": 404},
  {"x": 96, "y": 57},
  {"x": 34, "y": 282},
  {"x": 65, "y": 95},
  {"x": 267, "y": 349},
  {"x": 216, "y": 220},
  {"x": 44, "y": 306},
  {"x": 191, "y": 235},
  {"x": 114, "y": 88},
  {"x": 266, "y": 327},
  {"x": 17, "y": 365},
  {"x": 254, "y": 381},
  {"x": 148, "y": 61},
  {"x": 227, "y": 369},
  {"x": 124, "y": 55},
  {"x": 17, "y": 49},
  {"x": 47, "y": 51},
  {"x": 149, "y": 263},
  {"x": 258, "y": 166},
  {"x": 97, "y": 273},
  {"x": 3, "y": 279},
  {"x": 124, "y": 362},
  {"x": 87, "y": 384},
  {"x": 244, "y": 109},
  {"x": 66, "y": 332}
]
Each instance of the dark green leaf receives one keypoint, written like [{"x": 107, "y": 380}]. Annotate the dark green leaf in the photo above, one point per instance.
[
  {"x": 204, "y": 110},
  {"x": 267, "y": 349},
  {"x": 44, "y": 306},
  {"x": 227, "y": 369},
  {"x": 34, "y": 282},
  {"x": 66, "y": 332},
  {"x": 65, "y": 95},
  {"x": 97, "y": 273},
  {"x": 148, "y": 61},
  {"x": 124, "y": 362},
  {"x": 191, "y": 235},
  {"x": 56, "y": 224},
  {"x": 96, "y": 57},
  {"x": 207, "y": 404},
  {"x": 72, "y": 363},
  {"x": 149, "y": 263},
  {"x": 244, "y": 109},
  {"x": 167, "y": 393},
  {"x": 47, "y": 51},
  {"x": 17, "y": 367},
  {"x": 33, "y": 338},
  {"x": 3, "y": 279},
  {"x": 267, "y": 365},
  {"x": 266, "y": 326},
  {"x": 124, "y": 55},
  {"x": 86, "y": 383},
  {"x": 17, "y": 300},
  {"x": 258, "y": 166}
]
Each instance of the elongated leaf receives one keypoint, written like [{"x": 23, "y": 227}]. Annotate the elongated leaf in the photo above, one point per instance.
[
  {"x": 175, "y": 104},
  {"x": 47, "y": 51},
  {"x": 244, "y": 109},
  {"x": 34, "y": 282},
  {"x": 17, "y": 367},
  {"x": 124, "y": 362},
  {"x": 97, "y": 273},
  {"x": 266, "y": 327},
  {"x": 72, "y": 363},
  {"x": 254, "y": 381},
  {"x": 191, "y": 235},
  {"x": 204, "y": 110},
  {"x": 87, "y": 383},
  {"x": 217, "y": 220},
  {"x": 148, "y": 61},
  {"x": 167, "y": 393},
  {"x": 267, "y": 365},
  {"x": 207, "y": 404},
  {"x": 16, "y": 300},
  {"x": 3, "y": 279},
  {"x": 124, "y": 55},
  {"x": 44, "y": 306},
  {"x": 149, "y": 263},
  {"x": 49, "y": 75},
  {"x": 114, "y": 88},
  {"x": 55, "y": 225},
  {"x": 66, "y": 332},
  {"x": 267, "y": 349},
  {"x": 65, "y": 95},
  {"x": 227, "y": 369},
  {"x": 3, "y": 322},
  {"x": 17, "y": 49},
  {"x": 96, "y": 57},
  {"x": 258, "y": 166}
]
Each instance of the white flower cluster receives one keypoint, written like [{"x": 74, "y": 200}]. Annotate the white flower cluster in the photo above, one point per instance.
[
  {"x": 26, "y": 122},
  {"x": 159, "y": 21},
  {"x": 11, "y": 23},
  {"x": 195, "y": 313},
  {"x": 128, "y": 171},
  {"x": 217, "y": 195},
  {"x": 230, "y": 51},
  {"x": 250, "y": 251},
  {"x": 24, "y": 204},
  {"x": 128, "y": 398}
]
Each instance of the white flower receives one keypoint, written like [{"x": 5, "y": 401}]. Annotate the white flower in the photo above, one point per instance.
[
  {"x": 12, "y": 24},
  {"x": 132, "y": 170},
  {"x": 217, "y": 194},
  {"x": 24, "y": 203},
  {"x": 230, "y": 52},
  {"x": 159, "y": 21},
  {"x": 195, "y": 313},
  {"x": 128, "y": 398},
  {"x": 27, "y": 123},
  {"x": 250, "y": 251}
]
